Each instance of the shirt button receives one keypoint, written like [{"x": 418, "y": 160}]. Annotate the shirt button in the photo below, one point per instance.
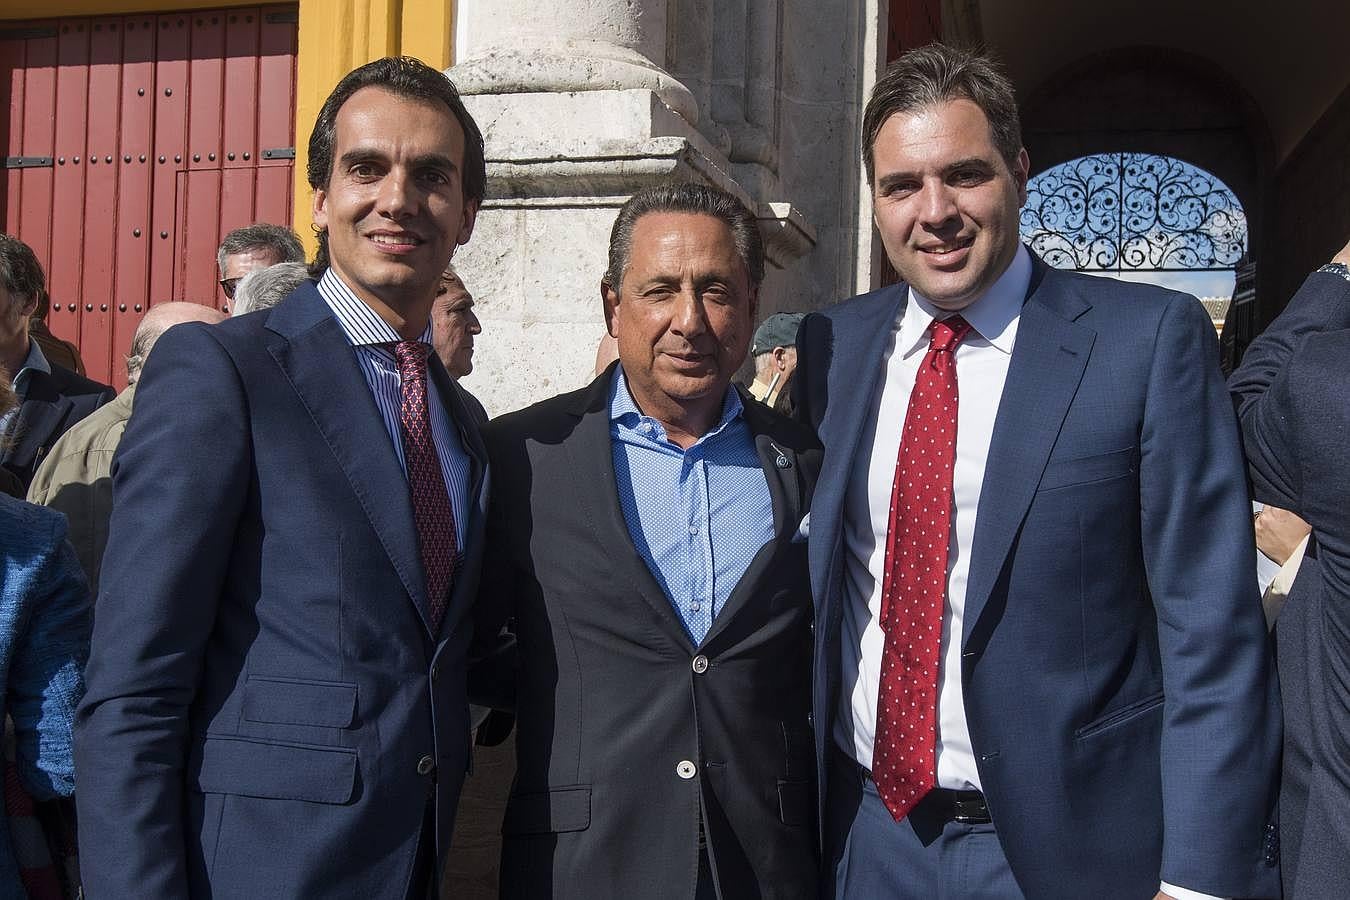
[
  {"x": 425, "y": 765},
  {"x": 700, "y": 664},
  {"x": 685, "y": 769},
  {"x": 693, "y": 529}
]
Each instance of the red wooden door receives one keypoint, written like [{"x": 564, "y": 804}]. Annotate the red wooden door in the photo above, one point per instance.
[{"x": 132, "y": 145}]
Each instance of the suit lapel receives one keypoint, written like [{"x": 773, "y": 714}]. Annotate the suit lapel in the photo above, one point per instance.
[
  {"x": 38, "y": 417},
  {"x": 1047, "y": 366},
  {"x": 465, "y": 584},
  {"x": 854, "y": 360},
  {"x": 321, "y": 367},
  {"x": 591, "y": 456},
  {"x": 785, "y": 495}
]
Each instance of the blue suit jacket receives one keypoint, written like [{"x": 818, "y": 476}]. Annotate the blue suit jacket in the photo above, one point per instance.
[
  {"x": 1292, "y": 388},
  {"x": 44, "y": 639},
  {"x": 269, "y": 713},
  {"x": 1115, "y": 664}
]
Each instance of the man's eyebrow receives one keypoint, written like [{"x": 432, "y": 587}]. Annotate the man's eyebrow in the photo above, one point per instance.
[
  {"x": 970, "y": 162},
  {"x": 370, "y": 154}
]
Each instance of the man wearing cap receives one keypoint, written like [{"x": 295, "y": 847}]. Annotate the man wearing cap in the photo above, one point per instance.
[{"x": 775, "y": 352}]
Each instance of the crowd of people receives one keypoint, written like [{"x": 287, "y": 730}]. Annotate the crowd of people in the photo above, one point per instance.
[{"x": 954, "y": 597}]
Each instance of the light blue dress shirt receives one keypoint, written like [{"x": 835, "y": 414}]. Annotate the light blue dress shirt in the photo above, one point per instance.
[
  {"x": 698, "y": 516},
  {"x": 36, "y": 361},
  {"x": 370, "y": 337}
]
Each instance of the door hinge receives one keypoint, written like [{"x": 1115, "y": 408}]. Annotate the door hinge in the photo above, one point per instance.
[
  {"x": 279, "y": 153},
  {"x": 283, "y": 18},
  {"x": 28, "y": 162},
  {"x": 27, "y": 34}
]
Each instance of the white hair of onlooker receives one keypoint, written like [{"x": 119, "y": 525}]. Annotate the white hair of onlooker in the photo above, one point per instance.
[{"x": 265, "y": 288}]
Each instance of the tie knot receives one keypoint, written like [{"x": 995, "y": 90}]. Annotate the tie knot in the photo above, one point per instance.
[
  {"x": 411, "y": 357},
  {"x": 949, "y": 332}
]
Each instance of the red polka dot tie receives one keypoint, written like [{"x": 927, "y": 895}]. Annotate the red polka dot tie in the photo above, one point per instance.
[
  {"x": 432, "y": 513},
  {"x": 914, "y": 585}
]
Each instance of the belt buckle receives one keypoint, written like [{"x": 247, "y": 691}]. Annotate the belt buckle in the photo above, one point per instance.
[{"x": 970, "y": 811}]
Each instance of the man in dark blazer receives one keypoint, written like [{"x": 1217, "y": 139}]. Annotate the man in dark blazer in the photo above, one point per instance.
[
  {"x": 51, "y": 398},
  {"x": 277, "y": 702},
  {"x": 1292, "y": 389},
  {"x": 641, "y": 542},
  {"x": 1041, "y": 668}
]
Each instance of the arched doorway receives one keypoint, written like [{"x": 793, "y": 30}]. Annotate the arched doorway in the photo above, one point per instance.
[{"x": 1141, "y": 217}]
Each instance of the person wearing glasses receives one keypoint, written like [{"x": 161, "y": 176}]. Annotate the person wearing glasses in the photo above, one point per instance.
[{"x": 252, "y": 247}]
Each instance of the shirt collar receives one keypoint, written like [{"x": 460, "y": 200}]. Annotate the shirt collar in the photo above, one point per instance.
[
  {"x": 35, "y": 361},
  {"x": 362, "y": 326},
  {"x": 624, "y": 411},
  {"x": 993, "y": 316}
]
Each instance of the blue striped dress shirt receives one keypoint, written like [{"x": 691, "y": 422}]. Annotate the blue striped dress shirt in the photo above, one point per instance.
[
  {"x": 698, "y": 516},
  {"x": 370, "y": 337}
]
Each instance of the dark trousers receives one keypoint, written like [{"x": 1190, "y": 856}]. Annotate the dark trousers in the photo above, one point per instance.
[{"x": 920, "y": 857}]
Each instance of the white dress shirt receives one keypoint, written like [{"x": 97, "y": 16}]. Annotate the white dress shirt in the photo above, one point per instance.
[{"x": 981, "y": 369}]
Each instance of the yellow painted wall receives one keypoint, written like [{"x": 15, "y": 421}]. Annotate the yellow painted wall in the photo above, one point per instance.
[{"x": 336, "y": 36}]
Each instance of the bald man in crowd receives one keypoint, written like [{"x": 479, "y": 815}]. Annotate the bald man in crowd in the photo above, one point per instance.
[{"x": 76, "y": 476}]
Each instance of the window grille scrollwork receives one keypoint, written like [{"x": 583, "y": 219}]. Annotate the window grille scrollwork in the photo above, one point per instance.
[{"x": 1133, "y": 211}]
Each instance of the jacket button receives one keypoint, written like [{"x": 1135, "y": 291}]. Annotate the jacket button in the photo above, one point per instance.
[
  {"x": 425, "y": 765},
  {"x": 435, "y": 671},
  {"x": 685, "y": 769},
  {"x": 700, "y": 664}
]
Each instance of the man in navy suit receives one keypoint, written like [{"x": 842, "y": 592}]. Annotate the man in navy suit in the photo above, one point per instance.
[
  {"x": 1041, "y": 666},
  {"x": 277, "y": 702}
]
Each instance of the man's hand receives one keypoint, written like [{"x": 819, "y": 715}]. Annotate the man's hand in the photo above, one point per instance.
[
  {"x": 1162, "y": 896},
  {"x": 1279, "y": 532},
  {"x": 1343, "y": 256}
]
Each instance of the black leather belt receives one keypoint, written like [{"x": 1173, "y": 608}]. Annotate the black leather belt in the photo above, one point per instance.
[
  {"x": 966, "y": 807},
  {"x": 945, "y": 805}
]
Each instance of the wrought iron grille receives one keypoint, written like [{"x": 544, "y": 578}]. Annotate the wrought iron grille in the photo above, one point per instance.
[{"x": 1133, "y": 211}]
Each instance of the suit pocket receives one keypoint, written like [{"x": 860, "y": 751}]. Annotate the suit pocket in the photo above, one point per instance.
[
  {"x": 549, "y": 812},
  {"x": 1060, "y": 473},
  {"x": 294, "y": 701},
  {"x": 795, "y": 801},
  {"x": 274, "y": 770},
  {"x": 1121, "y": 716}
]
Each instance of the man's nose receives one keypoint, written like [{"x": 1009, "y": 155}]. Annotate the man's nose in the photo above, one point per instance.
[
  {"x": 688, "y": 317},
  {"x": 397, "y": 196},
  {"x": 939, "y": 205}
]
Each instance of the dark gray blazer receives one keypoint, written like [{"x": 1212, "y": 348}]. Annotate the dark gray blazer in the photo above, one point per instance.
[
  {"x": 612, "y": 697},
  {"x": 1293, "y": 393},
  {"x": 52, "y": 405}
]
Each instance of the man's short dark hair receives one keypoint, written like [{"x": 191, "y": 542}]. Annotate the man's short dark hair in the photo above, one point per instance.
[
  {"x": 935, "y": 74},
  {"x": 20, "y": 271},
  {"x": 402, "y": 76},
  {"x": 696, "y": 199},
  {"x": 283, "y": 242}
]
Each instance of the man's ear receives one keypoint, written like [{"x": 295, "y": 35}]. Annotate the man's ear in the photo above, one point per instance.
[
  {"x": 319, "y": 210},
  {"x": 609, "y": 298},
  {"x": 30, "y": 305},
  {"x": 467, "y": 222},
  {"x": 1020, "y": 173}
]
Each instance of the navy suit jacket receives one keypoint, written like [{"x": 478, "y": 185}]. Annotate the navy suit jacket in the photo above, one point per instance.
[
  {"x": 53, "y": 403},
  {"x": 269, "y": 713},
  {"x": 1115, "y": 664},
  {"x": 1292, "y": 388}
]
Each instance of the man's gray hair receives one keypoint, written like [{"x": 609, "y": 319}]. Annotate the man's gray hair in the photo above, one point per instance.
[
  {"x": 266, "y": 287},
  {"x": 937, "y": 73},
  {"x": 696, "y": 199},
  {"x": 20, "y": 271},
  {"x": 261, "y": 236}
]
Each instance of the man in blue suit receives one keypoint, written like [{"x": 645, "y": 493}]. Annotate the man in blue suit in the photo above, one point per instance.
[
  {"x": 1041, "y": 666},
  {"x": 277, "y": 702}
]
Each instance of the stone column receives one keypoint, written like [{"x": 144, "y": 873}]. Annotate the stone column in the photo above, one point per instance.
[{"x": 579, "y": 110}]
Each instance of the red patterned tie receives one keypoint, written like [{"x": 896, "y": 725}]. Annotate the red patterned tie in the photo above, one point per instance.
[
  {"x": 914, "y": 586},
  {"x": 432, "y": 512}
]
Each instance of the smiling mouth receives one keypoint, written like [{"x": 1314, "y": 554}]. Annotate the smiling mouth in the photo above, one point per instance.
[
  {"x": 395, "y": 242},
  {"x": 949, "y": 247}
]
